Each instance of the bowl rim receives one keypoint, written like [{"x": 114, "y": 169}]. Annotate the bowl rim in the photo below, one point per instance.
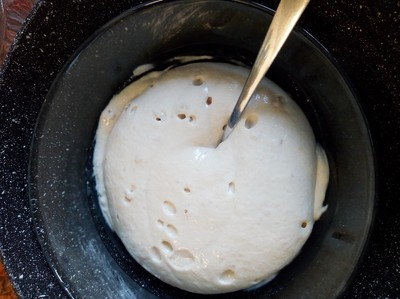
[{"x": 301, "y": 32}]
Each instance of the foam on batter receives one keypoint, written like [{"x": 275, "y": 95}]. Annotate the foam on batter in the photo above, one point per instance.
[{"x": 204, "y": 217}]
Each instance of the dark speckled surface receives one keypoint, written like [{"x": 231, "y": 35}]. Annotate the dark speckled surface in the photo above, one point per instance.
[{"x": 363, "y": 36}]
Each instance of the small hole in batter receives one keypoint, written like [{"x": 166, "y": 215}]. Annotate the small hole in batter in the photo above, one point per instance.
[
  {"x": 304, "y": 224},
  {"x": 181, "y": 116},
  {"x": 171, "y": 230},
  {"x": 224, "y": 127},
  {"x": 198, "y": 81},
  {"x": 131, "y": 189},
  {"x": 166, "y": 247},
  {"x": 231, "y": 187},
  {"x": 182, "y": 259},
  {"x": 192, "y": 118},
  {"x": 209, "y": 101},
  {"x": 159, "y": 115},
  {"x": 227, "y": 277},
  {"x": 133, "y": 109},
  {"x": 187, "y": 189},
  {"x": 251, "y": 121},
  {"x": 160, "y": 223},
  {"x": 169, "y": 207},
  {"x": 155, "y": 254}
]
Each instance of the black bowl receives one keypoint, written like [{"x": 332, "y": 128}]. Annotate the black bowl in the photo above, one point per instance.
[{"x": 85, "y": 255}]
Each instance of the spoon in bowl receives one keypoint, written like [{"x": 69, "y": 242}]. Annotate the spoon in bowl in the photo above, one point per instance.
[{"x": 286, "y": 16}]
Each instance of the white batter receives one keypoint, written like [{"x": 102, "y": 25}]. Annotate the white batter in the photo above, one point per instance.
[{"x": 208, "y": 219}]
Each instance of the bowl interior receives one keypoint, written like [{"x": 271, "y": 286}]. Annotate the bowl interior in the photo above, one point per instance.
[{"x": 88, "y": 258}]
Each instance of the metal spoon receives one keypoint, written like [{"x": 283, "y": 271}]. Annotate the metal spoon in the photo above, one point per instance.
[{"x": 286, "y": 16}]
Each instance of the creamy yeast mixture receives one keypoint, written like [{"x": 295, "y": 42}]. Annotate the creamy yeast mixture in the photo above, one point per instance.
[{"x": 204, "y": 217}]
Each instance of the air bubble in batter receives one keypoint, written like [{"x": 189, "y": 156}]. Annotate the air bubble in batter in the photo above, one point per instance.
[
  {"x": 227, "y": 277},
  {"x": 182, "y": 259}
]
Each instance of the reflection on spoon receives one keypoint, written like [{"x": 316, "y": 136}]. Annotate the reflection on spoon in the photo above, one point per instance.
[{"x": 286, "y": 16}]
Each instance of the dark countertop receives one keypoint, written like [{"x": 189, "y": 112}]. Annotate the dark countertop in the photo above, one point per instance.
[
  {"x": 363, "y": 36},
  {"x": 12, "y": 17}
]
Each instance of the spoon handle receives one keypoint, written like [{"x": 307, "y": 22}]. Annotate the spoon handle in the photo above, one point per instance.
[{"x": 286, "y": 16}]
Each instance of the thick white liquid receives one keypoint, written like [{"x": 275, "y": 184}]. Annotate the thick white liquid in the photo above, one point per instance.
[{"x": 208, "y": 219}]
